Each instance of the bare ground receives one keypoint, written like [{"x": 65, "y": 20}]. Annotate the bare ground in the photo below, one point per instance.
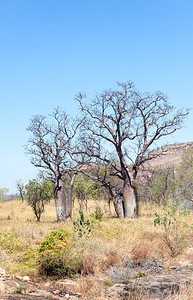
[{"x": 162, "y": 285}]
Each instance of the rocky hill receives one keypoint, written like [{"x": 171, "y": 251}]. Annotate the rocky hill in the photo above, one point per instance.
[{"x": 171, "y": 156}]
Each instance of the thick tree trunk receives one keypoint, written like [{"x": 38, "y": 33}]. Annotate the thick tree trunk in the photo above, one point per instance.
[
  {"x": 69, "y": 200},
  {"x": 118, "y": 205},
  {"x": 130, "y": 201},
  {"x": 129, "y": 195},
  {"x": 60, "y": 200}
]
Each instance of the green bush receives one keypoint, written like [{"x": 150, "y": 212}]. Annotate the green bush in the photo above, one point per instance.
[
  {"x": 140, "y": 274},
  {"x": 97, "y": 215},
  {"x": 57, "y": 255},
  {"x": 19, "y": 289},
  {"x": 108, "y": 283},
  {"x": 82, "y": 226},
  {"x": 38, "y": 193},
  {"x": 12, "y": 242}
]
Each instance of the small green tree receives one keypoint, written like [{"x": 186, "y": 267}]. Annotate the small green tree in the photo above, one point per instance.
[
  {"x": 84, "y": 189},
  {"x": 38, "y": 194}
]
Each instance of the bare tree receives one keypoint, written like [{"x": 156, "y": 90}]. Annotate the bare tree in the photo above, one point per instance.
[
  {"x": 21, "y": 188},
  {"x": 3, "y": 193},
  {"x": 101, "y": 169},
  {"x": 124, "y": 124},
  {"x": 51, "y": 149}
]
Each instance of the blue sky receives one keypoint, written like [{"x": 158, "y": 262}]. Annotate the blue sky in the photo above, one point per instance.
[{"x": 52, "y": 49}]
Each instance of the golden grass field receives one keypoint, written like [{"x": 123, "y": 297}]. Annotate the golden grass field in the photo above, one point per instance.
[{"x": 111, "y": 240}]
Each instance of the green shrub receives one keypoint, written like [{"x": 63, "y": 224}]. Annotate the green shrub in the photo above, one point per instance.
[
  {"x": 97, "y": 215},
  {"x": 19, "y": 289},
  {"x": 57, "y": 255},
  {"x": 82, "y": 226},
  {"x": 140, "y": 274},
  {"x": 108, "y": 282},
  {"x": 12, "y": 242},
  {"x": 38, "y": 193}
]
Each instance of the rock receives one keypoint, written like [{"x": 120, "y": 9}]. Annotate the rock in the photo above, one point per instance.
[
  {"x": 78, "y": 295},
  {"x": 69, "y": 286},
  {"x": 115, "y": 291},
  {"x": 158, "y": 286},
  {"x": 2, "y": 288},
  {"x": 47, "y": 284},
  {"x": 43, "y": 294},
  {"x": 31, "y": 291},
  {"x": 67, "y": 296},
  {"x": 67, "y": 282},
  {"x": 56, "y": 292},
  {"x": 2, "y": 278},
  {"x": 2, "y": 272},
  {"x": 129, "y": 269},
  {"x": 26, "y": 278}
]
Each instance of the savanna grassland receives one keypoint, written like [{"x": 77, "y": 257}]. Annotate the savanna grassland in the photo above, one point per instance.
[{"x": 110, "y": 242}]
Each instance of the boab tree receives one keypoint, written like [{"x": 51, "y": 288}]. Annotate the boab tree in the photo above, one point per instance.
[
  {"x": 125, "y": 123},
  {"x": 51, "y": 150}
]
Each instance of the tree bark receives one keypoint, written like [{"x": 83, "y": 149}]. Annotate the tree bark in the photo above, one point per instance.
[
  {"x": 69, "y": 199},
  {"x": 118, "y": 204},
  {"x": 129, "y": 194},
  {"x": 60, "y": 200},
  {"x": 130, "y": 200}
]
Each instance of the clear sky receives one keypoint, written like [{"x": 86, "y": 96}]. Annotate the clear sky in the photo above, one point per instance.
[{"x": 52, "y": 49}]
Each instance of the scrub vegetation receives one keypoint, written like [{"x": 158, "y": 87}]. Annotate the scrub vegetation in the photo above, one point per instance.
[{"x": 48, "y": 249}]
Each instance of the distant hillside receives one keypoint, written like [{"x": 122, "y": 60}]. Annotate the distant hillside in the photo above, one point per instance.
[{"x": 172, "y": 156}]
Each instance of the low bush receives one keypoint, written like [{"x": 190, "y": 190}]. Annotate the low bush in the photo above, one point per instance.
[
  {"x": 140, "y": 274},
  {"x": 12, "y": 242},
  {"x": 97, "y": 215},
  {"x": 19, "y": 289},
  {"x": 57, "y": 255}
]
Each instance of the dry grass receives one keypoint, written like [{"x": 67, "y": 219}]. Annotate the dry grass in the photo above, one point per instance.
[
  {"x": 90, "y": 286},
  {"x": 185, "y": 293},
  {"x": 110, "y": 241}
]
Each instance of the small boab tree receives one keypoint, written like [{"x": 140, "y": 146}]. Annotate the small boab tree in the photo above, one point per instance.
[
  {"x": 51, "y": 150},
  {"x": 119, "y": 129}
]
